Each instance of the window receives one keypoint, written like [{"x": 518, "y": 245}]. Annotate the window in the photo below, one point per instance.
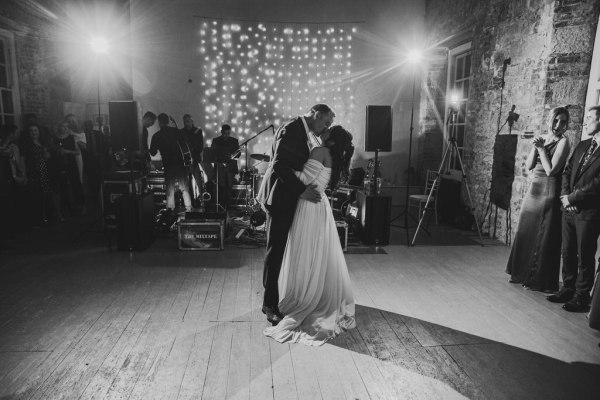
[
  {"x": 9, "y": 104},
  {"x": 457, "y": 91},
  {"x": 593, "y": 94}
]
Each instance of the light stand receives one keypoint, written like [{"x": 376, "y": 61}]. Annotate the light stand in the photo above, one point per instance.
[
  {"x": 99, "y": 46},
  {"x": 405, "y": 213},
  {"x": 450, "y": 148}
]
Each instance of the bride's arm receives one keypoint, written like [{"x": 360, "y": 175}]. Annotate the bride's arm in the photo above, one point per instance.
[{"x": 312, "y": 168}]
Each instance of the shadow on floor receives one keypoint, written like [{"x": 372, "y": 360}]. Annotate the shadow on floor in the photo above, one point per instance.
[{"x": 474, "y": 366}]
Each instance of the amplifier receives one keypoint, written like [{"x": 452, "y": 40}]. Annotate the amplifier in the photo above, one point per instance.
[
  {"x": 135, "y": 215},
  {"x": 342, "y": 228},
  {"x": 201, "y": 235},
  {"x": 112, "y": 190}
]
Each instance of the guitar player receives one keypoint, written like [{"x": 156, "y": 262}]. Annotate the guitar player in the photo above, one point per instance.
[{"x": 172, "y": 146}]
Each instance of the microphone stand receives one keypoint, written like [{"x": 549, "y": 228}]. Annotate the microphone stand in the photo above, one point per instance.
[{"x": 245, "y": 144}]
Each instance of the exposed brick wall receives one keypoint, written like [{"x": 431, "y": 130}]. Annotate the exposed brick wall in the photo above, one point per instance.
[
  {"x": 550, "y": 44},
  {"x": 42, "y": 86}
]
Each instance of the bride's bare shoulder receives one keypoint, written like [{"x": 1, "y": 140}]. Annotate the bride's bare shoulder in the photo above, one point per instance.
[{"x": 322, "y": 155}]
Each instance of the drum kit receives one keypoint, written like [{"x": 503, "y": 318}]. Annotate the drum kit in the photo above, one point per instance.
[{"x": 250, "y": 180}]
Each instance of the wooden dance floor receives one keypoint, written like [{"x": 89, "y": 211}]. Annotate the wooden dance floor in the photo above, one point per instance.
[{"x": 436, "y": 321}]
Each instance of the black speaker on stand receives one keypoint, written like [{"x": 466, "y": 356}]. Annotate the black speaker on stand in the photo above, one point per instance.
[
  {"x": 378, "y": 137},
  {"x": 125, "y": 134},
  {"x": 375, "y": 212},
  {"x": 376, "y": 209}
]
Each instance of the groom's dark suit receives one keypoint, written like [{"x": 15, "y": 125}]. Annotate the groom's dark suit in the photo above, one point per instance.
[
  {"x": 580, "y": 230},
  {"x": 282, "y": 189}
]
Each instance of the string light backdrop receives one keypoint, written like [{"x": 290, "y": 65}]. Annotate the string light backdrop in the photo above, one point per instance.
[{"x": 255, "y": 74}]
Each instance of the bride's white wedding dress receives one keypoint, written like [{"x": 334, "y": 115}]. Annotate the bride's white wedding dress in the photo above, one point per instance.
[{"x": 314, "y": 286}]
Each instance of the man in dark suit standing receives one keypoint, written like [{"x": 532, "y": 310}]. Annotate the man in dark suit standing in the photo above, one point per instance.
[
  {"x": 580, "y": 199},
  {"x": 195, "y": 139},
  {"x": 227, "y": 150},
  {"x": 148, "y": 120},
  {"x": 281, "y": 191},
  {"x": 173, "y": 147}
]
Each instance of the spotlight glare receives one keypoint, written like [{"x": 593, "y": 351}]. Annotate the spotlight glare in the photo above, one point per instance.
[
  {"x": 99, "y": 44},
  {"x": 414, "y": 56}
]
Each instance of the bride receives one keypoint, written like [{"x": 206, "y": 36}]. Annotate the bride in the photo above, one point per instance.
[{"x": 314, "y": 285}]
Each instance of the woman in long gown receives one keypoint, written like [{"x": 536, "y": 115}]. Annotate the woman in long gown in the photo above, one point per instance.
[
  {"x": 535, "y": 256},
  {"x": 314, "y": 284}
]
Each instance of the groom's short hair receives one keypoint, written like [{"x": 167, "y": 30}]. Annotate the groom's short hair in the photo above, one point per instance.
[{"x": 321, "y": 107}]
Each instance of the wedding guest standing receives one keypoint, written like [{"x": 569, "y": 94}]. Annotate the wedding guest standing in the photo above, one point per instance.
[
  {"x": 535, "y": 256},
  {"x": 580, "y": 198},
  {"x": 36, "y": 155}
]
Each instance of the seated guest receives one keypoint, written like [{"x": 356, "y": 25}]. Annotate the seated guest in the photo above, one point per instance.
[
  {"x": 535, "y": 256},
  {"x": 229, "y": 147},
  {"x": 580, "y": 197},
  {"x": 171, "y": 144}
]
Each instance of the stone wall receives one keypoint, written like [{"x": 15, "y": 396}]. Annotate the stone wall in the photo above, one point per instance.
[
  {"x": 42, "y": 85},
  {"x": 550, "y": 45}
]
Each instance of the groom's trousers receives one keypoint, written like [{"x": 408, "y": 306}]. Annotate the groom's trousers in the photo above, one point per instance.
[{"x": 278, "y": 227}]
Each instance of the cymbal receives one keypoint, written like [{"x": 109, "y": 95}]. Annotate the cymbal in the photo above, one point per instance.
[{"x": 260, "y": 157}]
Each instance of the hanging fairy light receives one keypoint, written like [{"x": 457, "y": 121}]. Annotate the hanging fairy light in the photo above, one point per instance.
[{"x": 258, "y": 73}]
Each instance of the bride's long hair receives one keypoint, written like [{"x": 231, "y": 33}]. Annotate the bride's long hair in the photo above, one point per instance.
[{"x": 341, "y": 150}]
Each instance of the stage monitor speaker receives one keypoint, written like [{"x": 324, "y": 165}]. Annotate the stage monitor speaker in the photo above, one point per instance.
[
  {"x": 125, "y": 125},
  {"x": 135, "y": 220},
  {"x": 503, "y": 170},
  {"x": 375, "y": 216},
  {"x": 378, "y": 132}
]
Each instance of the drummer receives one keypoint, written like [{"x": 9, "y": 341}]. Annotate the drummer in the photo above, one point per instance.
[{"x": 227, "y": 171}]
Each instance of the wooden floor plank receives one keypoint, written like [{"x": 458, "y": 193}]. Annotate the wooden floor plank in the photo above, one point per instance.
[
  {"x": 78, "y": 368},
  {"x": 347, "y": 372},
  {"x": 261, "y": 374},
  {"x": 215, "y": 385},
  {"x": 305, "y": 375},
  {"x": 121, "y": 351},
  {"x": 168, "y": 345},
  {"x": 432, "y": 322},
  {"x": 284, "y": 379},
  {"x": 196, "y": 370},
  {"x": 238, "y": 381},
  {"x": 136, "y": 366}
]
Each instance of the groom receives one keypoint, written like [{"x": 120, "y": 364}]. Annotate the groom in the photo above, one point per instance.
[
  {"x": 581, "y": 218},
  {"x": 282, "y": 189}
]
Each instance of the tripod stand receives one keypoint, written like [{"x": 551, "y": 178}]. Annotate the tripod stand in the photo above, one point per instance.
[
  {"x": 405, "y": 212},
  {"x": 451, "y": 148}
]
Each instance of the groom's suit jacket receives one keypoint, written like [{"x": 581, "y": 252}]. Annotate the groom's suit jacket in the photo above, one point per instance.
[
  {"x": 582, "y": 185},
  {"x": 289, "y": 153}
]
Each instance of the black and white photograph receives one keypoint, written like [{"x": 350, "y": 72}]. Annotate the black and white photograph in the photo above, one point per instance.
[{"x": 277, "y": 200}]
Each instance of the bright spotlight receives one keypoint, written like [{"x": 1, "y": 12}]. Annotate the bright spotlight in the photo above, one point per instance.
[
  {"x": 99, "y": 44},
  {"x": 414, "y": 56}
]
